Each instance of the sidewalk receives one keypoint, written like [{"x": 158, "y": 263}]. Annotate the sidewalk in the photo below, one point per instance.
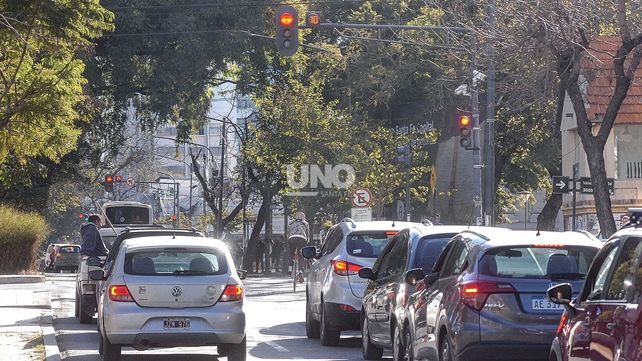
[{"x": 26, "y": 331}]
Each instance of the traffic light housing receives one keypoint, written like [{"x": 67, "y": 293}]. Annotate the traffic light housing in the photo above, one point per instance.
[
  {"x": 109, "y": 183},
  {"x": 286, "y": 21},
  {"x": 403, "y": 155},
  {"x": 465, "y": 123}
]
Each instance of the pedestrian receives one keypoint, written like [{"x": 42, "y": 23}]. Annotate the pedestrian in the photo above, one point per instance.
[
  {"x": 277, "y": 251},
  {"x": 267, "y": 254},
  {"x": 258, "y": 256},
  {"x": 92, "y": 244},
  {"x": 299, "y": 237}
]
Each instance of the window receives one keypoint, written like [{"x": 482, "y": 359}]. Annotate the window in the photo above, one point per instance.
[
  {"x": 181, "y": 262},
  {"x": 332, "y": 240},
  {"x": 394, "y": 261},
  {"x": 628, "y": 150},
  {"x": 128, "y": 215},
  {"x": 69, "y": 249},
  {"x": 368, "y": 245},
  {"x": 201, "y": 131},
  {"x": 456, "y": 261},
  {"x": 625, "y": 270},
  {"x": 428, "y": 250}
]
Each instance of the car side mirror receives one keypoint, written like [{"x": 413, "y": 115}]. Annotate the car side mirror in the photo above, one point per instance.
[
  {"x": 414, "y": 275},
  {"x": 94, "y": 262},
  {"x": 367, "y": 273},
  {"x": 242, "y": 273},
  {"x": 431, "y": 278},
  {"x": 309, "y": 252},
  {"x": 97, "y": 275},
  {"x": 561, "y": 294}
]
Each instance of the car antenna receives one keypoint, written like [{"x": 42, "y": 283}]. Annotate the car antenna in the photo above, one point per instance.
[{"x": 393, "y": 223}]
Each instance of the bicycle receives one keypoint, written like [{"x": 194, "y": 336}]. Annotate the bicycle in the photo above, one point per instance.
[{"x": 297, "y": 274}]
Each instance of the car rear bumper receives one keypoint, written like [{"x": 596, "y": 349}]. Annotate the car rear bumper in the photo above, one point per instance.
[
  {"x": 504, "y": 352},
  {"x": 126, "y": 323},
  {"x": 339, "y": 319}
]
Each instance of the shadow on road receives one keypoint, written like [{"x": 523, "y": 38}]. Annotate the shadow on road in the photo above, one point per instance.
[
  {"x": 285, "y": 329},
  {"x": 300, "y": 348},
  {"x": 151, "y": 356}
]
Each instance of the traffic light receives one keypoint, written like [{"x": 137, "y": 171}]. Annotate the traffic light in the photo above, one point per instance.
[
  {"x": 118, "y": 179},
  {"x": 465, "y": 131},
  {"x": 83, "y": 217},
  {"x": 403, "y": 154},
  {"x": 287, "y": 30},
  {"x": 109, "y": 183}
]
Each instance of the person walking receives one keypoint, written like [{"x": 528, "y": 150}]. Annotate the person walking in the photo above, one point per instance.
[
  {"x": 277, "y": 251},
  {"x": 258, "y": 256},
  {"x": 267, "y": 254}
]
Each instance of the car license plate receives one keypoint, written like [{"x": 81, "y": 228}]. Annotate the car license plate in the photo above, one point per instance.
[
  {"x": 541, "y": 303},
  {"x": 176, "y": 323}
]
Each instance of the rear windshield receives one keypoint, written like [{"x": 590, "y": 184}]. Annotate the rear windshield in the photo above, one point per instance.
[
  {"x": 128, "y": 215},
  {"x": 69, "y": 249},
  {"x": 566, "y": 262},
  {"x": 428, "y": 250},
  {"x": 175, "y": 262},
  {"x": 367, "y": 245}
]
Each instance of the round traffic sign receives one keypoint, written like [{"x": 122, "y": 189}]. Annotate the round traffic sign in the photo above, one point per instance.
[
  {"x": 361, "y": 198},
  {"x": 130, "y": 181}
]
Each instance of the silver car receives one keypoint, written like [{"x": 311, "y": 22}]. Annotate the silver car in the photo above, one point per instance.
[
  {"x": 334, "y": 289},
  {"x": 170, "y": 291}
]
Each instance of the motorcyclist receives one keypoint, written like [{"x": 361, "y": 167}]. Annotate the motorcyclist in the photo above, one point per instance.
[
  {"x": 92, "y": 242},
  {"x": 298, "y": 237}
]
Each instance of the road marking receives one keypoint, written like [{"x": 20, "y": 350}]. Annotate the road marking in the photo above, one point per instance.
[{"x": 276, "y": 346}]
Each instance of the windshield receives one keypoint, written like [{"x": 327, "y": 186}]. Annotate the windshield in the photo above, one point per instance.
[
  {"x": 563, "y": 262},
  {"x": 175, "y": 262},
  {"x": 367, "y": 245},
  {"x": 428, "y": 250},
  {"x": 69, "y": 249},
  {"x": 128, "y": 215}
]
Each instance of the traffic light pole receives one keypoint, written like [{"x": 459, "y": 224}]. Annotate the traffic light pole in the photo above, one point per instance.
[
  {"x": 477, "y": 165},
  {"x": 407, "y": 206}
]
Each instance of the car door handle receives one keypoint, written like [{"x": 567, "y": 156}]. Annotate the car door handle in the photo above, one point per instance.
[{"x": 611, "y": 325}]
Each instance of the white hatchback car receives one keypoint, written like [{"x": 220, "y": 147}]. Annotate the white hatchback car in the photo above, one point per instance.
[
  {"x": 334, "y": 289},
  {"x": 170, "y": 291}
]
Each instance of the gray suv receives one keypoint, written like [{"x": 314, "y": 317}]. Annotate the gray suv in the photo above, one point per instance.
[
  {"x": 334, "y": 289},
  {"x": 486, "y": 298}
]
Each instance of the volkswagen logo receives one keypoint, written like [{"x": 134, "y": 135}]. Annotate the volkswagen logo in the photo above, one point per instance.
[{"x": 177, "y": 291}]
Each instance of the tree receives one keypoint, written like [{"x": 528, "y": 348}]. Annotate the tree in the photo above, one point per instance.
[{"x": 41, "y": 75}]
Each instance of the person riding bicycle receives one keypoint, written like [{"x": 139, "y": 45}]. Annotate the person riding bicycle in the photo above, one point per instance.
[{"x": 299, "y": 236}]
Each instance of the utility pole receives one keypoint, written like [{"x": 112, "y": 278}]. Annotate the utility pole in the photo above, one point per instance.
[
  {"x": 576, "y": 176},
  {"x": 219, "y": 216},
  {"x": 408, "y": 206},
  {"x": 477, "y": 165},
  {"x": 490, "y": 118}
]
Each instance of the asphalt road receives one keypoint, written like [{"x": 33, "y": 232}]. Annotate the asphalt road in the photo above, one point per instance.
[{"x": 275, "y": 328}]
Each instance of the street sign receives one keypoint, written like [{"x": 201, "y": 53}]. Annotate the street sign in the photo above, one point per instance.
[
  {"x": 130, "y": 181},
  {"x": 361, "y": 198},
  {"x": 361, "y": 214},
  {"x": 561, "y": 184},
  {"x": 586, "y": 185},
  {"x": 401, "y": 210}
]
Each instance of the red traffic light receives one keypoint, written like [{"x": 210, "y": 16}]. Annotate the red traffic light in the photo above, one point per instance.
[
  {"x": 464, "y": 121},
  {"x": 81, "y": 216},
  {"x": 109, "y": 178},
  {"x": 118, "y": 178},
  {"x": 286, "y": 19}
]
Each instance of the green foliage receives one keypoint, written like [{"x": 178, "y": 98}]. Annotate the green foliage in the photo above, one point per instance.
[
  {"x": 21, "y": 235},
  {"x": 41, "y": 75}
]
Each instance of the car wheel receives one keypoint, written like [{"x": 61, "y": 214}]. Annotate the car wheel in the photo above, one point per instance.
[
  {"x": 236, "y": 352},
  {"x": 101, "y": 343},
  {"x": 84, "y": 316},
  {"x": 445, "y": 350},
  {"x": 369, "y": 350},
  {"x": 312, "y": 326},
  {"x": 398, "y": 346},
  {"x": 408, "y": 342},
  {"x": 77, "y": 306},
  {"x": 111, "y": 352},
  {"x": 328, "y": 336}
]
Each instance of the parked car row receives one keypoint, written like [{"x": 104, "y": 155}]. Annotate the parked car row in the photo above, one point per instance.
[{"x": 475, "y": 293}]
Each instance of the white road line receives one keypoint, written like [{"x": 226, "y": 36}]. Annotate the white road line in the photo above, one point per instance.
[{"x": 276, "y": 346}]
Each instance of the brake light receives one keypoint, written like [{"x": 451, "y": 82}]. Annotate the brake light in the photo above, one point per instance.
[
  {"x": 343, "y": 268},
  {"x": 346, "y": 308},
  {"x": 391, "y": 233},
  {"x": 120, "y": 293},
  {"x": 232, "y": 293},
  {"x": 475, "y": 294},
  {"x": 563, "y": 320},
  {"x": 548, "y": 245}
]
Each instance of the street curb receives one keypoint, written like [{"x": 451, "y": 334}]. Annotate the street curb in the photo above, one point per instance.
[
  {"x": 52, "y": 351},
  {"x": 16, "y": 279}
]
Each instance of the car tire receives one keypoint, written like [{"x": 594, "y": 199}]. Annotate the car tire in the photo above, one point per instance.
[
  {"x": 312, "y": 326},
  {"x": 369, "y": 350},
  {"x": 83, "y": 316},
  {"x": 236, "y": 352},
  {"x": 101, "y": 343},
  {"x": 111, "y": 352},
  {"x": 328, "y": 336},
  {"x": 398, "y": 346},
  {"x": 552, "y": 357},
  {"x": 408, "y": 342},
  {"x": 77, "y": 306},
  {"x": 446, "y": 349}
]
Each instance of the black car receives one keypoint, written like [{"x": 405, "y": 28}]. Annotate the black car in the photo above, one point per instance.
[{"x": 387, "y": 291}]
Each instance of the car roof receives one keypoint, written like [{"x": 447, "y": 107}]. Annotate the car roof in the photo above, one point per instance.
[
  {"x": 424, "y": 230},
  {"x": 181, "y": 241},
  {"x": 357, "y": 226},
  {"x": 627, "y": 230},
  {"x": 525, "y": 238}
]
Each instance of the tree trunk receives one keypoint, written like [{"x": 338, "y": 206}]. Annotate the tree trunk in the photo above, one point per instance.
[
  {"x": 546, "y": 219},
  {"x": 250, "y": 251},
  {"x": 601, "y": 193}
]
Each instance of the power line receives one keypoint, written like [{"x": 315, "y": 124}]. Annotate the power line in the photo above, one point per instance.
[{"x": 235, "y": 5}]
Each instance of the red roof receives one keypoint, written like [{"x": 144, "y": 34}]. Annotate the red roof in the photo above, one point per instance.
[{"x": 597, "y": 67}]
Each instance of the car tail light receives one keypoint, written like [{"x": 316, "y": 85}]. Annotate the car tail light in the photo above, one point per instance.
[
  {"x": 391, "y": 233},
  {"x": 232, "y": 293},
  {"x": 563, "y": 320},
  {"x": 343, "y": 268},
  {"x": 120, "y": 293},
  {"x": 475, "y": 294},
  {"x": 346, "y": 308}
]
